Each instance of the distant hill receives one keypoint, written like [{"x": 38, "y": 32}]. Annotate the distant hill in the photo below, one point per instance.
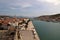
[{"x": 49, "y": 18}]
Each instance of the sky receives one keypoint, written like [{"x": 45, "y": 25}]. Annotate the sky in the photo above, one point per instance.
[{"x": 29, "y": 7}]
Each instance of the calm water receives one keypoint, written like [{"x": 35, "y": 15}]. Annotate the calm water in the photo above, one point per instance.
[{"x": 47, "y": 30}]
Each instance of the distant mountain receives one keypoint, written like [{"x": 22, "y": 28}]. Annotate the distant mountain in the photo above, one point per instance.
[
  {"x": 2, "y": 16},
  {"x": 49, "y": 18}
]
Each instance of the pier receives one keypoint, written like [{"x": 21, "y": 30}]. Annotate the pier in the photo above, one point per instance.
[{"x": 28, "y": 34}]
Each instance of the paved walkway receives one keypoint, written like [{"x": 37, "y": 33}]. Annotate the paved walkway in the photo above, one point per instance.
[{"x": 27, "y": 34}]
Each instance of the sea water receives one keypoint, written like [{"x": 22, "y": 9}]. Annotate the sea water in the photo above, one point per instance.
[{"x": 47, "y": 30}]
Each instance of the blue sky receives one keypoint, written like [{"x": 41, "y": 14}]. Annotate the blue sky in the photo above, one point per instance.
[{"x": 29, "y": 7}]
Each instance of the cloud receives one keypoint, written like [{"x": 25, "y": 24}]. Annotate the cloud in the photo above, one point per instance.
[
  {"x": 15, "y": 3},
  {"x": 29, "y": 7},
  {"x": 26, "y": 5},
  {"x": 55, "y": 2},
  {"x": 21, "y": 4},
  {"x": 12, "y": 8}
]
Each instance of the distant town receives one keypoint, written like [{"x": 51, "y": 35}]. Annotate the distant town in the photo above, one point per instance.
[{"x": 49, "y": 18}]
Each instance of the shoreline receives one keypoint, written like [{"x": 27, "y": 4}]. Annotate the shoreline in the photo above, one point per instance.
[{"x": 31, "y": 27}]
